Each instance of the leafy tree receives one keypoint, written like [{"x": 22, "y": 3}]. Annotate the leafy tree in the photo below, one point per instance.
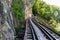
[{"x": 17, "y": 10}]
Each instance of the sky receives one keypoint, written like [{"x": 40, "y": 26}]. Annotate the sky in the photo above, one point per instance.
[{"x": 53, "y": 2}]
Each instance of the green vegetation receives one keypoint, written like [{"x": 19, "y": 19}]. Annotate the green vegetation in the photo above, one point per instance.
[
  {"x": 18, "y": 13},
  {"x": 18, "y": 29},
  {"x": 48, "y": 13},
  {"x": 17, "y": 9},
  {"x": 0, "y": 37}
]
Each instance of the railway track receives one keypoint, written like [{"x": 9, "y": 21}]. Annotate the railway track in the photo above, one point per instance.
[
  {"x": 51, "y": 35},
  {"x": 28, "y": 32},
  {"x": 36, "y": 31},
  {"x": 33, "y": 32}
]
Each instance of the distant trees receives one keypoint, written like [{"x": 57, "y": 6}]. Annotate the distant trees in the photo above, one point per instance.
[
  {"x": 48, "y": 13},
  {"x": 44, "y": 10}
]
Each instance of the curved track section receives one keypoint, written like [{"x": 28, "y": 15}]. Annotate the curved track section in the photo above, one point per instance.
[{"x": 51, "y": 35}]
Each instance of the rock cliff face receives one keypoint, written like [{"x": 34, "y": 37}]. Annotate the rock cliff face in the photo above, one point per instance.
[
  {"x": 7, "y": 21},
  {"x": 28, "y": 8}
]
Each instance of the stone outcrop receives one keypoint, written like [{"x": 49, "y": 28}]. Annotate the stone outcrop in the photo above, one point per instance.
[
  {"x": 28, "y": 8},
  {"x": 7, "y": 20}
]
